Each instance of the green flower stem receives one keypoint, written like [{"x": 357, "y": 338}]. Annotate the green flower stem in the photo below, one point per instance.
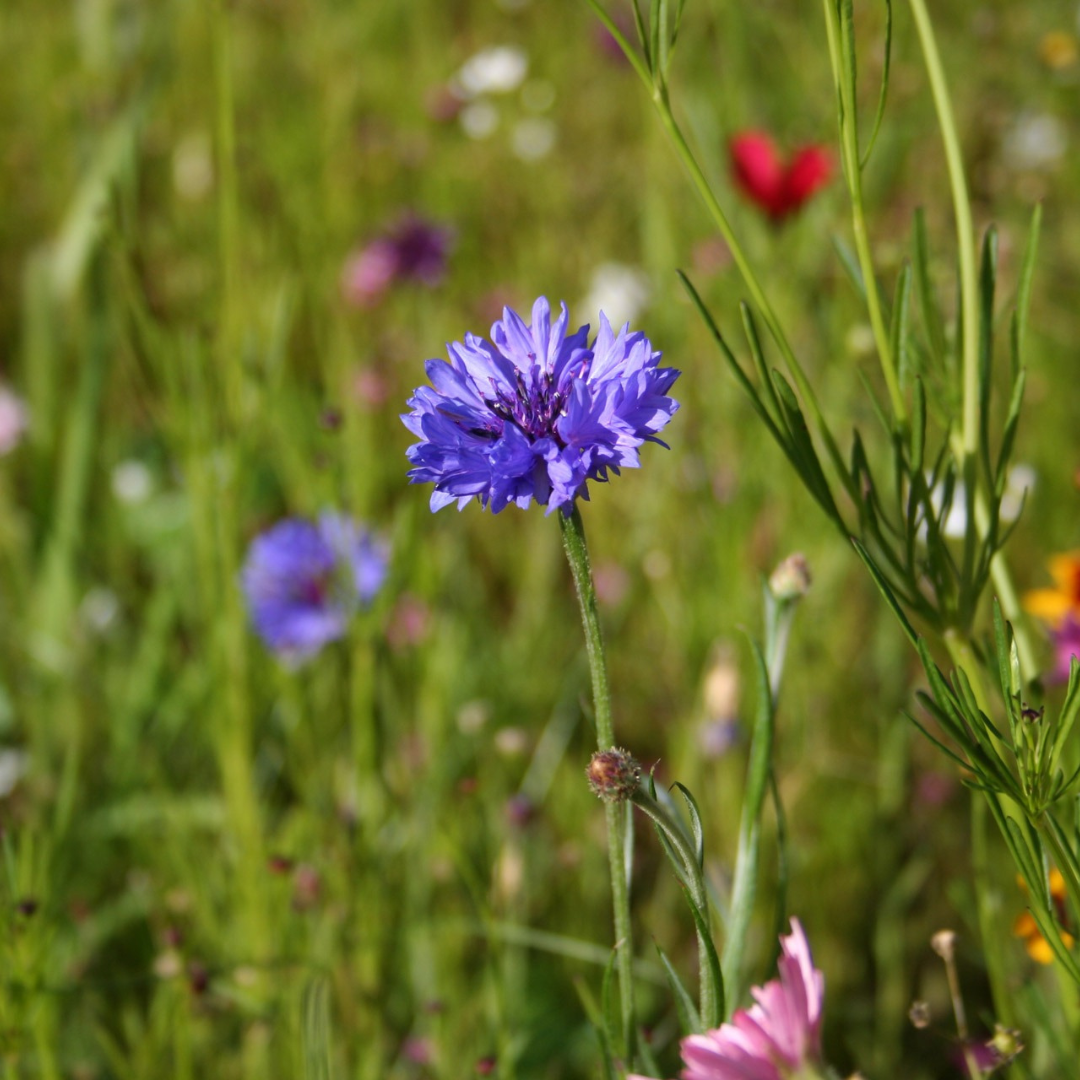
[
  {"x": 965, "y": 233},
  {"x": 849, "y": 144},
  {"x": 577, "y": 554}
]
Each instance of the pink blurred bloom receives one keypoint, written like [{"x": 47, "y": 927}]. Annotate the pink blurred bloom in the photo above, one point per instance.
[
  {"x": 1066, "y": 639},
  {"x": 777, "y": 1036},
  {"x": 413, "y": 249}
]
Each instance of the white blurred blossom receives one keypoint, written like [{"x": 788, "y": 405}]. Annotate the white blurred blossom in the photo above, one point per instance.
[
  {"x": 533, "y": 138},
  {"x": 1034, "y": 141},
  {"x": 132, "y": 481},
  {"x": 619, "y": 291},
  {"x": 99, "y": 608},
  {"x": 14, "y": 420},
  {"x": 1019, "y": 480},
  {"x": 193, "y": 166},
  {"x": 479, "y": 119},
  {"x": 496, "y": 70},
  {"x": 13, "y": 766}
]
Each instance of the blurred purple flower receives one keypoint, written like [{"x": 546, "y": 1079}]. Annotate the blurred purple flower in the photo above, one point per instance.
[
  {"x": 303, "y": 580},
  {"x": 413, "y": 249},
  {"x": 777, "y": 1036},
  {"x": 537, "y": 413},
  {"x": 1066, "y": 639}
]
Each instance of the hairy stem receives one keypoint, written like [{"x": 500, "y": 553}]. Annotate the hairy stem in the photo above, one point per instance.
[{"x": 577, "y": 554}]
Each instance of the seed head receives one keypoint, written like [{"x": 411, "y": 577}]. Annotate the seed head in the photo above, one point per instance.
[
  {"x": 613, "y": 774},
  {"x": 791, "y": 579}
]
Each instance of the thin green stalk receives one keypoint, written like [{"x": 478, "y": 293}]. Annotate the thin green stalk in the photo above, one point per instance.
[
  {"x": 965, "y": 233},
  {"x": 228, "y": 208},
  {"x": 577, "y": 554},
  {"x": 849, "y": 143},
  {"x": 750, "y": 278}
]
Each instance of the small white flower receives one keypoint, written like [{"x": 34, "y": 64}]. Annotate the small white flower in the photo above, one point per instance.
[
  {"x": 479, "y": 119},
  {"x": 14, "y": 420},
  {"x": 99, "y": 608},
  {"x": 13, "y": 766},
  {"x": 533, "y": 138},
  {"x": 132, "y": 481},
  {"x": 1019, "y": 480},
  {"x": 497, "y": 70},
  {"x": 1035, "y": 141},
  {"x": 619, "y": 291},
  {"x": 193, "y": 167}
]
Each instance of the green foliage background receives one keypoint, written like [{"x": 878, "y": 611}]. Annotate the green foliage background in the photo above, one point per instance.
[{"x": 185, "y": 791}]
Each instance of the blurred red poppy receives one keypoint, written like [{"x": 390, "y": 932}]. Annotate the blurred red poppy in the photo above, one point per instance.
[{"x": 779, "y": 188}]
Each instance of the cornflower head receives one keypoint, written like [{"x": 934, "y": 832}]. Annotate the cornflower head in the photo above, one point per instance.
[
  {"x": 535, "y": 413},
  {"x": 778, "y": 1037},
  {"x": 304, "y": 580}
]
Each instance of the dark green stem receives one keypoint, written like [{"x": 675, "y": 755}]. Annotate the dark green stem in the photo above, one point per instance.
[{"x": 577, "y": 553}]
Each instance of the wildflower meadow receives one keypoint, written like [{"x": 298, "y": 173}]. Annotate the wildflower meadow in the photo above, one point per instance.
[{"x": 539, "y": 540}]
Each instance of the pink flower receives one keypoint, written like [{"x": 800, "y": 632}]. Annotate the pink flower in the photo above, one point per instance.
[
  {"x": 779, "y": 188},
  {"x": 1066, "y": 639},
  {"x": 777, "y": 1037},
  {"x": 413, "y": 249}
]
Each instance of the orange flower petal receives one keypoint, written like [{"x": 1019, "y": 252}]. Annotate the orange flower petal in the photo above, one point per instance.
[
  {"x": 1039, "y": 950},
  {"x": 1025, "y": 925}
]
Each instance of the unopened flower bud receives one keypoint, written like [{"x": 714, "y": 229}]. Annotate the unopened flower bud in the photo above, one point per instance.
[
  {"x": 1006, "y": 1043},
  {"x": 944, "y": 944},
  {"x": 613, "y": 775},
  {"x": 919, "y": 1014},
  {"x": 791, "y": 579}
]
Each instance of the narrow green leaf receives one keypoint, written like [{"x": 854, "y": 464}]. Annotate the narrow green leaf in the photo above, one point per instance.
[
  {"x": 712, "y": 982},
  {"x": 656, "y": 38},
  {"x": 936, "y": 741},
  {"x": 918, "y": 426},
  {"x": 689, "y": 1018},
  {"x": 899, "y": 329},
  {"x": 315, "y": 1032},
  {"x": 1069, "y": 710},
  {"x": 596, "y": 1018},
  {"x": 850, "y": 264},
  {"x": 758, "y": 354},
  {"x": 886, "y": 591},
  {"x": 803, "y": 448},
  {"x": 695, "y": 822},
  {"x": 1023, "y": 293},
  {"x": 884, "y": 88},
  {"x": 1009, "y": 431},
  {"x": 924, "y": 291},
  {"x": 987, "y": 287}
]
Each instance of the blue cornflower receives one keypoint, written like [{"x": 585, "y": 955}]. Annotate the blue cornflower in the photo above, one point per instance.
[
  {"x": 534, "y": 413},
  {"x": 303, "y": 580}
]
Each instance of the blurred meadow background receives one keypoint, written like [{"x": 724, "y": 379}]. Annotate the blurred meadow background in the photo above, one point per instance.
[{"x": 385, "y": 862}]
